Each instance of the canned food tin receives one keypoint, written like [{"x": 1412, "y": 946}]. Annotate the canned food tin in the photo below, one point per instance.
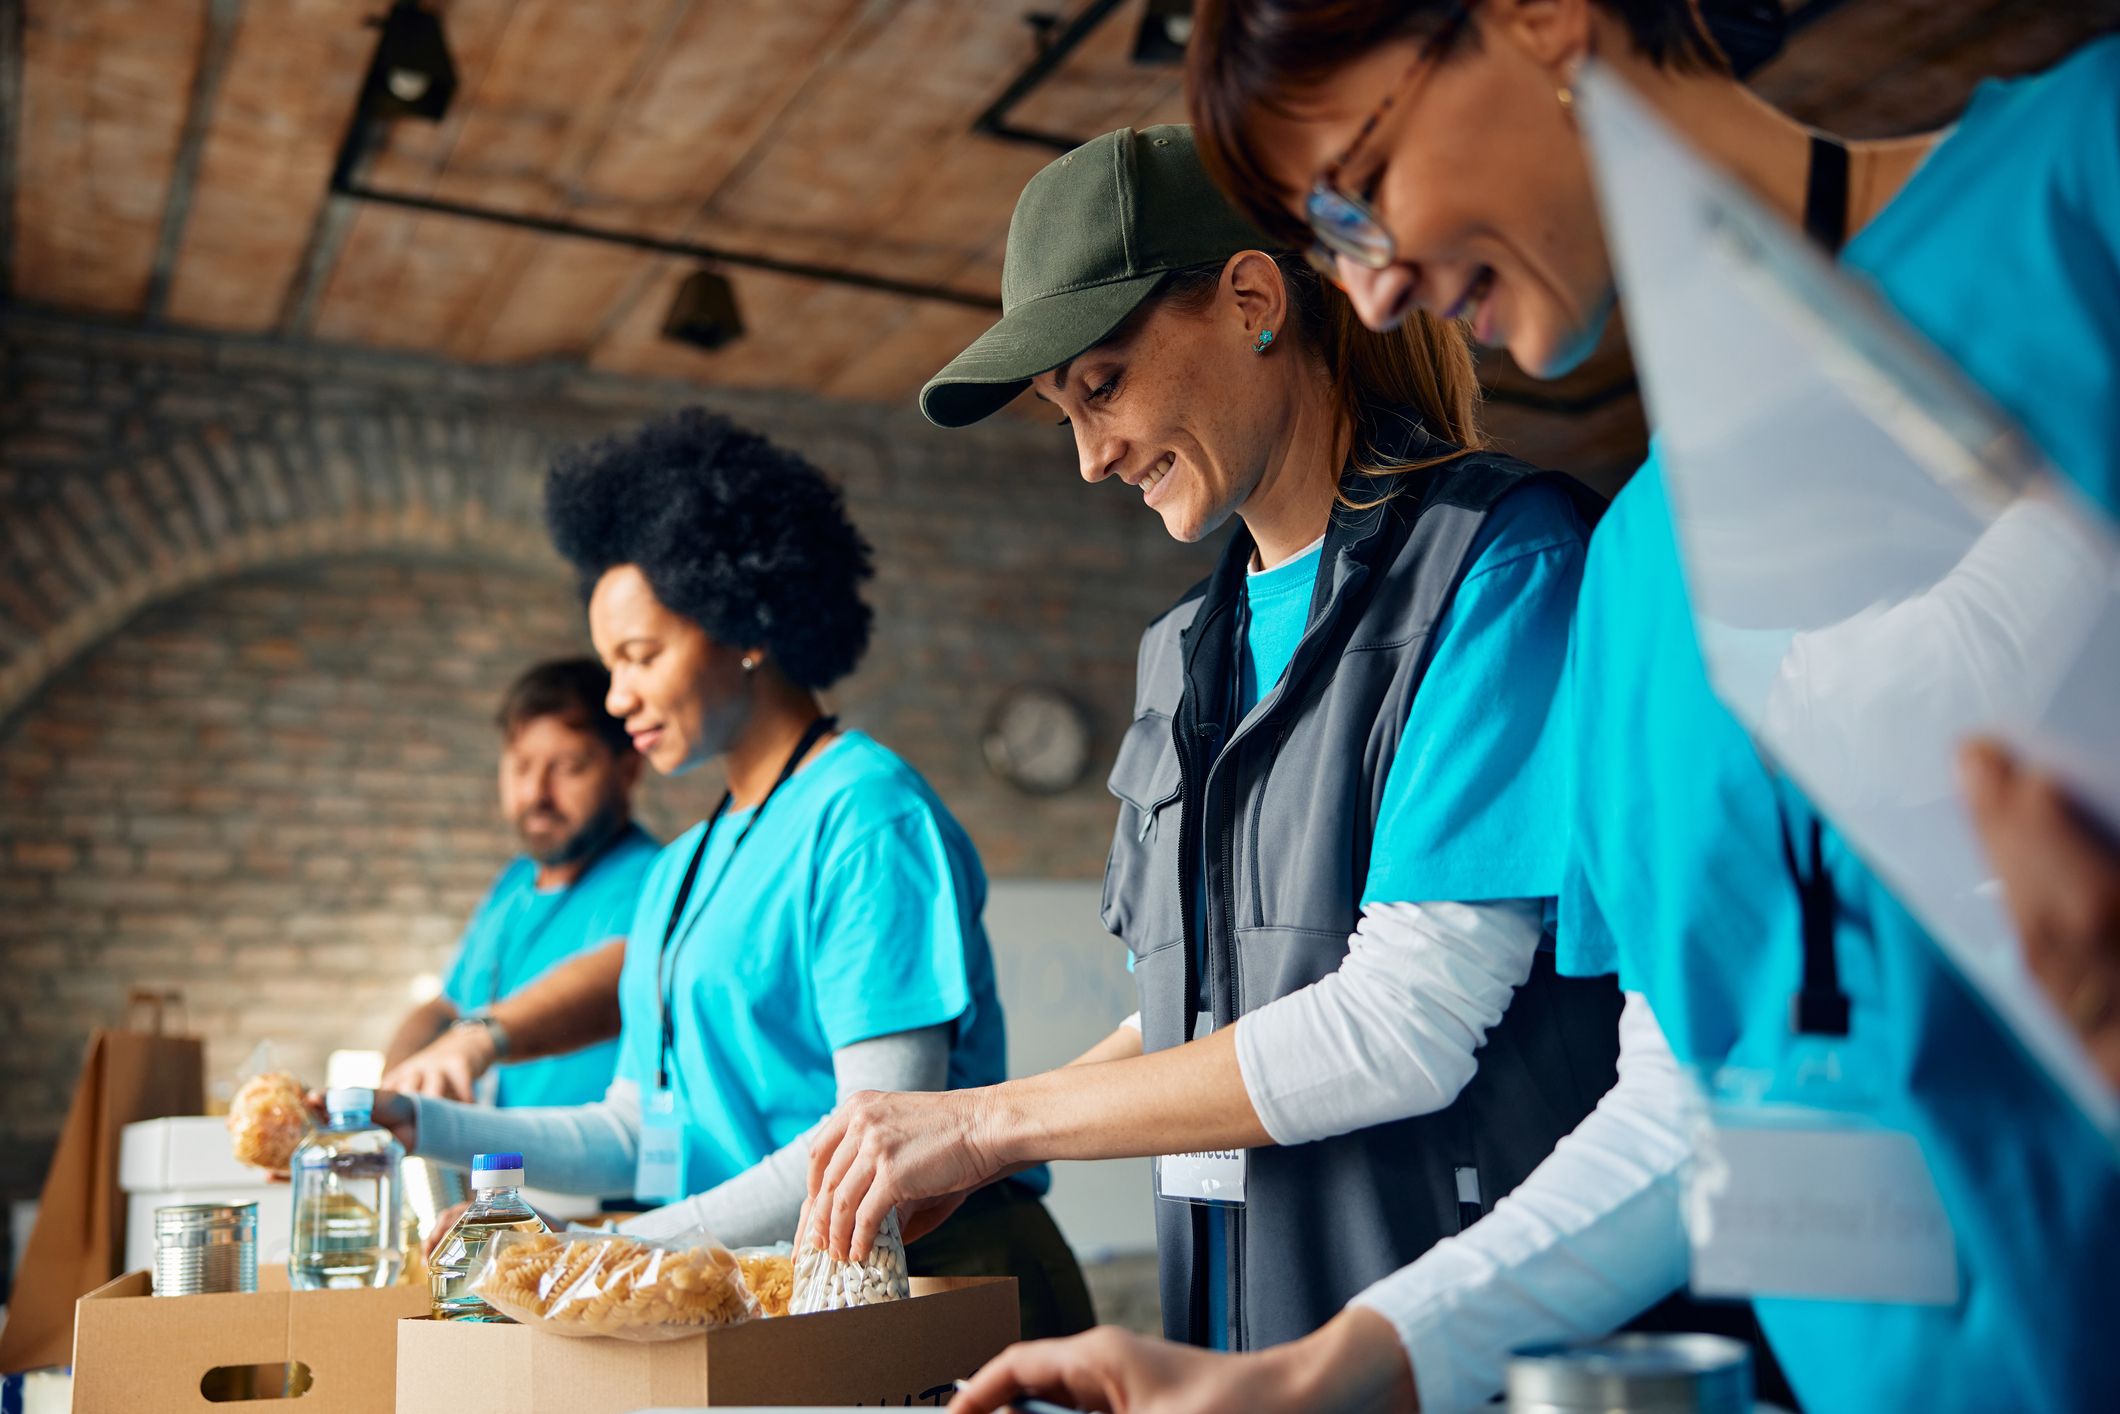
[
  {"x": 206, "y": 1247},
  {"x": 1637, "y": 1373}
]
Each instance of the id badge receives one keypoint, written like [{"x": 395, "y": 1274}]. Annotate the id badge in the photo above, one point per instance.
[
  {"x": 1812, "y": 1204},
  {"x": 659, "y": 1175},
  {"x": 1214, "y": 1177}
]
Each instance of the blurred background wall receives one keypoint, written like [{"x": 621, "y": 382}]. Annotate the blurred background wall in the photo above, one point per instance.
[{"x": 261, "y": 604}]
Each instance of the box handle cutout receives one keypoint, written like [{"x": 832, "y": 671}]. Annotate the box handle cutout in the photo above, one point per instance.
[{"x": 224, "y": 1384}]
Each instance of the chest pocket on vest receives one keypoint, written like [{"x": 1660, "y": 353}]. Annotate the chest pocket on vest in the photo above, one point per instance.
[
  {"x": 1145, "y": 777},
  {"x": 1140, "y": 880}
]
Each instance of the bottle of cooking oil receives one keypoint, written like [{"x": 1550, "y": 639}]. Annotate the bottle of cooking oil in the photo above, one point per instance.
[
  {"x": 497, "y": 1206},
  {"x": 347, "y": 1192}
]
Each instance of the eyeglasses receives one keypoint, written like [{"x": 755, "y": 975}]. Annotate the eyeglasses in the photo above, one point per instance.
[{"x": 1344, "y": 223}]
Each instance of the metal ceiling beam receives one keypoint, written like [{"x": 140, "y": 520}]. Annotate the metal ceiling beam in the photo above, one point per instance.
[
  {"x": 222, "y": 18},
  {"x": 994, "y": 121}
]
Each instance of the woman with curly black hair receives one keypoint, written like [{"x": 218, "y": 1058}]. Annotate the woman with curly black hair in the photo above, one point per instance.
[{"x": 818, "y": 935}]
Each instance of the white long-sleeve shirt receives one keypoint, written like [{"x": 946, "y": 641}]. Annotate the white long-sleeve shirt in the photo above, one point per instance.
[
  {"x": 593, "y": 1148},
  {"x": 1392, "y": 1032},
  {"x": 1591, "y": 1238}
]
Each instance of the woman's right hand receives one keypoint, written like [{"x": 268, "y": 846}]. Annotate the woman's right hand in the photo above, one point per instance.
[
  {"x": 879, "y": 1150},
  {"x": 392, "y": 1111},
  {"x": 443, "y": 1221}
]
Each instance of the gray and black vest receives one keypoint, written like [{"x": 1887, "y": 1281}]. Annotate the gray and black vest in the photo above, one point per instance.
[{"x": 1282, "y": 806}]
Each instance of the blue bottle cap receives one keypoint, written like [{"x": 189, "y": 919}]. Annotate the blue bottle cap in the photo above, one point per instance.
[{"x": 496, "y": 1161}]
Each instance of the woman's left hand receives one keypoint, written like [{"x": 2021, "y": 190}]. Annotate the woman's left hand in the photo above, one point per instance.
[
  {"x": 879, "y": 1151},
  {"x": 2062, "y": 881}
]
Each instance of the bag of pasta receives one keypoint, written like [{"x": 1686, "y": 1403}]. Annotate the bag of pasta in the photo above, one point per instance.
[
  {"x": 822, "y": 1284},
  {"x": 770, "y": 1273},
  {"x": 600, "y": 1283}
]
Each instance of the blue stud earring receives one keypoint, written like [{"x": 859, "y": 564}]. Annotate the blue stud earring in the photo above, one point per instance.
[{"x": 1260, "y": 344}]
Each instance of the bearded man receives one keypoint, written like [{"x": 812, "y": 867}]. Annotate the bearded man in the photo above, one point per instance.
[{"x": 559, "y": 912}]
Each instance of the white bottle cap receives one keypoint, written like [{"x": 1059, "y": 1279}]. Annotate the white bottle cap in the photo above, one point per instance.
[{"x": 496, "y": 1171}]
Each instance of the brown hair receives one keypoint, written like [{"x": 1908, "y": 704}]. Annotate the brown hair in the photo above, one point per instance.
[
  {"x": 1425, "y": 364},
  {"x": 1248, "y": 55},
  {"x": 573, "y": 690}
]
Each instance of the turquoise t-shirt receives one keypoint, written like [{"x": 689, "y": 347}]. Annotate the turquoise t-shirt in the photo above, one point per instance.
[
  {"x": 2004, "y": 249},
  {"x": 852, "y": 912},
  {"x": 1475, "y": 802},
  {"x": 520, "y": 933}
]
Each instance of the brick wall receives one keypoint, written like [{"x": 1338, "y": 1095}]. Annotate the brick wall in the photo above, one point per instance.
[{"x": 257, "y": 604}]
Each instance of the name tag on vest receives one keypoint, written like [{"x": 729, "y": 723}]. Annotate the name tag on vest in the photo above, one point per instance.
[
  {"x": 1823, "y": 1213},
  {"x": 1215, "y": 1176}
]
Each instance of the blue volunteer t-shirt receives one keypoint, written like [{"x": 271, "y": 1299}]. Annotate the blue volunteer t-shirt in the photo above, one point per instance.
[
  {"x": 1475, "y": 802},
  {"x": 2004, "y": 249},
  {"x": 521, "y": 932},
  {"x": 852, "y": 912}
]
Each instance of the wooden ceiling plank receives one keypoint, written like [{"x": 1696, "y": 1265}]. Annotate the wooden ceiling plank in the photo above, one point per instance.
[
  {"x": 285, "y": 100},
  {"x": 549, "y": 74},
  {"x": 104, "y": 84},
  {"x": 942, "y": 203},
  {"x": 725, "y": 74}
]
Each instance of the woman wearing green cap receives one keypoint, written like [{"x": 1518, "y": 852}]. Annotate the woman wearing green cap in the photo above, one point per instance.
[{"x": 1336, "y": 840}]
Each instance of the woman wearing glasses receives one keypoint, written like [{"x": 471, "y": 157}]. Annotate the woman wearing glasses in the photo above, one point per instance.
[
  {"x": 1337, "y": 830},
  {"x": 820, "y": 934},
  {"x": 1430, "y": 147}
]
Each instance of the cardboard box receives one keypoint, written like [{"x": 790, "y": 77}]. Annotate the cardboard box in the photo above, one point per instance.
[
  {"x": 143, "y": 1354},
  {"x": 903, "y": 1353}
]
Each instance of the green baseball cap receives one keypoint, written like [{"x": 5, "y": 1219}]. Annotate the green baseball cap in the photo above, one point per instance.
[{"x": 1091, "y": 236}]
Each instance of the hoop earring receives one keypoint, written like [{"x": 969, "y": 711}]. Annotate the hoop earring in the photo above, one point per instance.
[
  {"x": 1263, "y": 342},
  {"x": 750, "y": 664}
]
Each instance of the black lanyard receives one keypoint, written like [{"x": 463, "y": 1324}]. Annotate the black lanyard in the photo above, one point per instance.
[
  {"x": 1820, "y": 1007},
  {"x": 666, "y": 960},
  {"x": 1825, "y": 201}
]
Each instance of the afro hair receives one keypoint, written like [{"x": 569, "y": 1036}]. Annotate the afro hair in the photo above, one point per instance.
[{"x": 747, "y": 540}]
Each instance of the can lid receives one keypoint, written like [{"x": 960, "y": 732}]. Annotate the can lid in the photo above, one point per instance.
[
  {"x": 341, "y": 1099},
  {"x": 1697, "y": 1374}
]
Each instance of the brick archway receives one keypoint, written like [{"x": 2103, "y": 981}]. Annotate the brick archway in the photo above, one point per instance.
[{"x": 138, "y": 467}]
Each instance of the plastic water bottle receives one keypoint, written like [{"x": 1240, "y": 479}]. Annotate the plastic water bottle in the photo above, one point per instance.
[
  {"x": 347, "y": 1192},
  {"x": 497, "y": 1206}
]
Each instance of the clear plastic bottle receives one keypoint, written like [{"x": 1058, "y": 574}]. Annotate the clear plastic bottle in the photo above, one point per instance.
[
  {"x": 347, "y": 1196},
  {"x": 497, "y": 1206}
]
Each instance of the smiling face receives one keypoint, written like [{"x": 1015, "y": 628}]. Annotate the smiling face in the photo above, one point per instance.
[
  {"x": 1479, "y": 174},
  {"x": 683, "y": 696},
  {"x": 1179, "y": 405}
]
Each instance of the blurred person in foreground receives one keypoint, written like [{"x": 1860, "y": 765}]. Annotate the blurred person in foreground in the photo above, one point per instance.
[{"x": 559, "y": 911}]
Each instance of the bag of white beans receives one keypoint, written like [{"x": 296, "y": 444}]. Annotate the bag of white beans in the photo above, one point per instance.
[{"x": 822, "y": 1284}]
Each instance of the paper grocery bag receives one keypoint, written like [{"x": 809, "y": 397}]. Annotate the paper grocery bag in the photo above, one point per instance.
[{"x": 80, "y": 1232}]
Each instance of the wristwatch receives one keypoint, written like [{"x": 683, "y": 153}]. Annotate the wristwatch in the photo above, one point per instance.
[{"x": 483, "y": 1017}]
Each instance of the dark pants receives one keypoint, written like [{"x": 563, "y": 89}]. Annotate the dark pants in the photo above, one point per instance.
[{"x": 1003, "y": 1230}]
